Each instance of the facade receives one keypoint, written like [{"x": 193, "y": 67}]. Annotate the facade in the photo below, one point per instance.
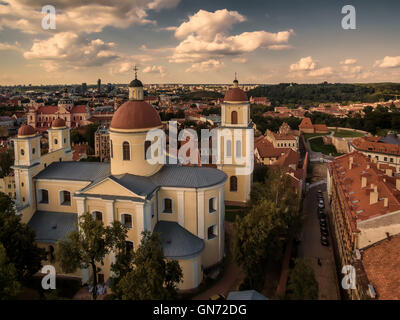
[
  {"x": 377, "y": 148},
  {"x": 41, "y": 117},
  {"x": 284, "y": 138},
  {"x": 306, "y": 126},
  {"x": 102, "y": 144},
  {"x": 7, "y": 185},
  {"x": 188, "y": 212},
  {"x": 365, "y": 204},
  {"x": 234, "y": 156}
]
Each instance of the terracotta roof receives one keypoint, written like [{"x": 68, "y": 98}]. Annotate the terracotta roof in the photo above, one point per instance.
[
  {"x": 78, "y": 109},
  {"x": 235, "y": 95},
  {"x": 26, "y": 130},
  {"x": 306, "y": 124},
  {"x": 58, "y": 123},
  {"x": 320, "y": 127},
  {"x": 135, "y": 115},
  {"x": 47, "y": 109},
  {"x": 381, "y": 264},
  {"x": 372, "y": 144},
  {"x": 266, "y": 149}
]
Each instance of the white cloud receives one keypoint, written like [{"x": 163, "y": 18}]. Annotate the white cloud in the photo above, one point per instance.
[
  {"x": 205, "y": 36},
  {"x": 239, "y": 60},
  {"x": 388, "y": 62},
  {"x": 205, "y": 66},
  {"x": 155, "y": 70},
  {"x": 68, "y": 49},
  {"x": 10, "y": 47},
  {"x": 348, "y": 61},
  {"x": 304, "y": 64},
  {"x": 80, "y": 16},
  {"x": 321, "y": 72}
]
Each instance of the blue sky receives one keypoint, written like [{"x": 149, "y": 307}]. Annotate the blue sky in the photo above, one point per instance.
[{"x": 182, "y": 41}]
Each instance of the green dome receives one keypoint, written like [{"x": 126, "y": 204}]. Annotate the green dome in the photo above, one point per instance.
[{"x": 136, "y": 83}]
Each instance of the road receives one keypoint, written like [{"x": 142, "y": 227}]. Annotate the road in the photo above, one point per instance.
[{"x": 311, "y": 249}]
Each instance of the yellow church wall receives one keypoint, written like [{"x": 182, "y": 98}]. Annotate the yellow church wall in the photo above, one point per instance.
[
  {"x": 170, "y": 194},
  {"x": 239, "y": 195},
  {"x": 54, "y": 188},
  {"x": 190, "y": 211},
  {"x": 110, "y": 187},
  {"x": 137, "y": 164},
  {"x": 96, "y": 205},
  {"x": 242, "y": 113},
  {"x": 129, "y": 208},
  {"x": 191, "y": 278}
]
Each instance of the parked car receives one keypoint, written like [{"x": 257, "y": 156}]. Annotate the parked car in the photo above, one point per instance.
[
  {"x": 321, "y": 204},
  {"x": 325, "y": 243}
]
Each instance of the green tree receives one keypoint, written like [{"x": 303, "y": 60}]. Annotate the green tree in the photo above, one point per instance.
[
  {"x": 18, "y": 239},
  {"x": 6, "y": 161},
  {"x": 151, "y": 276},
  {"x": 88, "y": 246},
  {"x": 90, "y": 130},
  {"x": 302, "y": 284},
  {"x": 9, "y": 285}
]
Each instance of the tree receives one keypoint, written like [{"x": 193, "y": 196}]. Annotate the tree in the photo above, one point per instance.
[
  {"x": 88, "y": 246},
  {"x": 302, "y": 284},
  {"x": 18, "y": 239},
  {"x": 6, "y": 161},
  {"x": 9, "y": 285},
  {"x": 151, "y": 276},
  {"x": 90, "y": 130}
]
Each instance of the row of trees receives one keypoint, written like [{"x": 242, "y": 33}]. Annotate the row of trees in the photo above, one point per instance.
[
  {"x": 142, "y": 274},
  {"x": 272, "y": 218}
]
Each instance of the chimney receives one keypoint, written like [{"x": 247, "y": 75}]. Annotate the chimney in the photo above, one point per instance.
[
  {"x": 351, "y": 159},
  {"x": 364, "y": 181},
  {"x": 385, "y": 202},
  {"x": 373, "y": 196},
  {"x": 398, "y": 184},
  {"x": 368, "y": 166}
]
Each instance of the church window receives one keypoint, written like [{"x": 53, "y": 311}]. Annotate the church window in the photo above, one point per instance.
[
  {"x": 212, "y": 232},
  {"x": 33, "y": 150},
  {"x": 238, "y": 149},
  {"x": 127, "y": 220},
  {"x": 234, "y": 117},
  {"x": 22, "y": 152},
  {"x": 126, "y": 152},
  {"x": 65, "y": 198},
  {"x": 167, "y": 206},
  {"x": 55, "y": 141},
  {"x": 233, "y": 183},
  {"x": 147, "y": 145},
  {"x": 212, "y": 205},
  {"x": 228, "y": 152},
  {"x": 44, "y": 196},
  {"x": 97, "y": 215}
]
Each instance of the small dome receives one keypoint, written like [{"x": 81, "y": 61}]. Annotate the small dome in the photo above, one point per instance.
[
  {"x": 135, "y": 114},
  {"x": 136, "y": 83},
  {"x": 58, "y": 123},
  {"x": 26, "y": 130},
  {"x": 235, "y": 95}
]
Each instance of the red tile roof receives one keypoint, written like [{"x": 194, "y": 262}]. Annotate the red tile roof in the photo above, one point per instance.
[
  {"x": 306, "y": 124},
  {"x": 78, "y": 109},
  {"x": 372, "y": 144},
  {"x": 47, "y": 109}
]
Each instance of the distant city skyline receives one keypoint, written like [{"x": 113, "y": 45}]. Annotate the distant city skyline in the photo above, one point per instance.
[{"x": 193, "y": 42}]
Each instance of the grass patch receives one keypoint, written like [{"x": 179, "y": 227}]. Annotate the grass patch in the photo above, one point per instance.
[
  {"x": 311, "y": 135},
  {"x": 347, "y": 134},
  {"x": 317, "y": 145}
]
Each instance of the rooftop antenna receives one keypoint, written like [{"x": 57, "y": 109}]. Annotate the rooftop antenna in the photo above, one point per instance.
[
  {"x": 136, "y": 70},
  {"x": 236, "y": 76}
]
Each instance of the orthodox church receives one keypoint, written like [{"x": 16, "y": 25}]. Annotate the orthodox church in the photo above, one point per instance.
[{"x": 185, "y": 204}]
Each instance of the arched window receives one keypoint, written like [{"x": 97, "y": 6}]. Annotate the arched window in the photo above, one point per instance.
[
  {"x": 147, "y": 145},
  {"x": 97, "y": 215},
  {"x": 111, "y": 149},
  {"x": 212, "y": 205},
  {"x": 234, "y": 117},
  {"x": 126, "y": 220},
  {"x": 126, "y": 151},
  {"x": 233, "y": 183},
  {"x": 55, "y": 141},
  {"x": 228, "y": 152},
  {"x": 22, "y": 152},
  {"x": 33, "y": 150},
  {"x": 167, "y": 206},
  {"x": 238, "y": 149},
  {"x": 65, "y": 198},
  {"x": 129, "y": 246},
  {"x": 43, "y": 196}
]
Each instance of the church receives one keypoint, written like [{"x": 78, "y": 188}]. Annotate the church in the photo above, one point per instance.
[{"x": 185, "y": 204}]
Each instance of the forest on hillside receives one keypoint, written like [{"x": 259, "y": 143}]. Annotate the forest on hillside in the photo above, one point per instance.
[{"x": 292, "y": 94}]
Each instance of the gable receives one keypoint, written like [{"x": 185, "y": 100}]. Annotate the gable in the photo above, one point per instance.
[{"x": 109, "y": 187}]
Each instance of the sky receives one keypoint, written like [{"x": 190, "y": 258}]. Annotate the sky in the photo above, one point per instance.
[{"x": 191, "y": 41}]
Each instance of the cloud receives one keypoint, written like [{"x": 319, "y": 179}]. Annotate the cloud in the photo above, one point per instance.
[
  {"x": 205, "y": 66},
  {"x": 388, "y": 62},
  {"x": 239, "y": 60},
  {"x": 348, "y": 61},
  {"x": 80, "y": 16},
  {"x": 205, "y": 36},
  {"x": 10, "y": 47},
  {"x": 68, "y": 50},
  {"x": 304, "y": 64},
  {"x": 321, "y": 72},
  {"x": 155, "y": 70}
]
